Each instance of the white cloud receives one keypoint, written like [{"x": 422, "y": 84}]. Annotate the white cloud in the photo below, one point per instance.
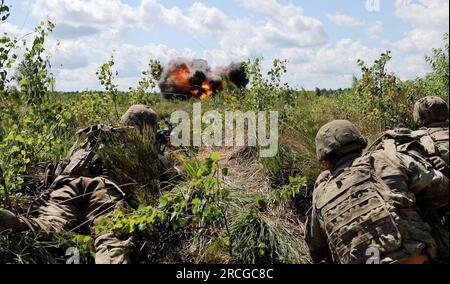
[
  {"x": 285, "y": 26},
  {"x": 89, "y": 30},
  {"x": 428, "y": 20},
  {"x": 347, "y": 21},
  {"x": 109, "y": 17},
  {"x": 75, "y": 62},
  {"x": 375, "y": 29},
  {"x": 423, "y": 14},
  {"x": 11, "y": 29},
  {"x": 332, "y": 66}
]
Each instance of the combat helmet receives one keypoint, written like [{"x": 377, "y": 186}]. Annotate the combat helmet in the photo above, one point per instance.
[
  {"x": 430, "y": 110},
  {"x": 140, "y": 116},
  {"x": 338, "y": 137}
]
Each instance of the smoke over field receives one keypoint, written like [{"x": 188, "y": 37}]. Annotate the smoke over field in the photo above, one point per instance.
[{"x": 187, "y": 78}]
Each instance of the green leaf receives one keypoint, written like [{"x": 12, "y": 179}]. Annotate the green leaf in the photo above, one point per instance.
[
  {"x": 19, "y": 138},
  {"x": 163, "y": 201},
  {"x": 210, "y": 183},
  {"x": 261, "y": 202},
  {"x": 215, "y": 156},
  {"x": 224, "y": 193},
  {"x": 196, "y": 201},
  {"x": 224, "y": 171}
]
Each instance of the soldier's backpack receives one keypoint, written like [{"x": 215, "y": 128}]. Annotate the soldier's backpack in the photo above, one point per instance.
[
  {"x": 357, "y": 213},
  {"x": 436, "y": 141},
  {"x": 427, "y": 142},
  {"x": 83, "y": 159}
]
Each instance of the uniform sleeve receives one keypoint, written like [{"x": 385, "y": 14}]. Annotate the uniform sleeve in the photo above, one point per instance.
[
  {"x": 429, "y": 185},
  {"x": 316, "y": 239}
]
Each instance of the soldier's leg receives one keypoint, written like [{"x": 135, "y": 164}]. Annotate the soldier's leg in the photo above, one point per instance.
[
  {"x": 62, "y": 210},
  {"x": 110, "y": 247}
]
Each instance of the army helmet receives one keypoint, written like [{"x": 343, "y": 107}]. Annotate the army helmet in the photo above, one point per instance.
[
  {"x": 141, "y": 117},
  {"x": 339, "y": 137},
  {"x": 430, "y": 110}
]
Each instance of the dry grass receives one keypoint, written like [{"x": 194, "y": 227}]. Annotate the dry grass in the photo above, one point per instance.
[{"x": 282, "y": 224}]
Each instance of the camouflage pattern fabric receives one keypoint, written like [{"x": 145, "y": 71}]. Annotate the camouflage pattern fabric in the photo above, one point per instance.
[
  {"x": 82, "y": 202},
  {"x": 426, "y": 144},
  {"x": 81, "y": 187},
  {"x": 83, "y": 194},
  {"x": 429, "y": 110},
  {"x": 370, "y": 202},
  {"x": 438, "y": 141}
]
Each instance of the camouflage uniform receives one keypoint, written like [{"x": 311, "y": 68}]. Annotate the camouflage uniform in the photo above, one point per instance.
[
  {"x": 430, "y": 142},
  {"x": 84, "y": 191},
  {"x": 431, "y": 114},
  {"x": 370, "y": 201}
]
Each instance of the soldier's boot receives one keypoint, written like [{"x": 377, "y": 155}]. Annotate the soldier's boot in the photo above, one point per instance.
[
  {"x": 112, "y": 249},
  {"x": 9, "y": 221}
]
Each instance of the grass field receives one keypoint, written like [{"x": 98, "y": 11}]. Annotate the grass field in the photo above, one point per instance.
[{"x": 254, "y": 208}]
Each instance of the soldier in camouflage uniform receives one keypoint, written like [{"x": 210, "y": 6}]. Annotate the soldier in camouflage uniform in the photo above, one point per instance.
[
  {"x": 369, "y": 202},
  {"x": 85, "y": 192},
  {"x": 430, "y": 142},
  {"x": 431, "y": 116}
]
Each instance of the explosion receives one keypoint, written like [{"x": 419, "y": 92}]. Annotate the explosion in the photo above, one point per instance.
[{"x": 185, "y": 78}]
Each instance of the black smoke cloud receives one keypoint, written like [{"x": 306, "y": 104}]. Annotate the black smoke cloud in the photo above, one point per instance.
[
  {"x": 235, "y": 73},
  {"x": 185, "y": 78}
]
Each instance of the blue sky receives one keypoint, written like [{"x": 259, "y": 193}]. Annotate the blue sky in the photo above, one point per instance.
[{"x": 322, "y": 39}]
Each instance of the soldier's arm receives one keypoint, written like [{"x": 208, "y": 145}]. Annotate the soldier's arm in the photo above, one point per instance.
[
  {"x": 429, "y": 185},
  {"x": 316, "y": 239}
]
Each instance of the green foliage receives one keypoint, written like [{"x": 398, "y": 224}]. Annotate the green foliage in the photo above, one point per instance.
[
  {"x": 437, "y": 81},
  {"x": 27, "y": 248},
  {"x": 377, "y": 91},
  {"x": 265, "y": 89},
  {"x": 4, "y": 11},
  {"x": 13, "y": 162},
  {"x": 211, "y": 219},
  {"x": 92, "y": 108},
  {"x": 107, "y": 77},
  {"x": 257, "y": 239},
  {"x": 35, "y": 130},
  {"x": 33, "y": 75},
  {"x": 289, "y": 191},
  {"x": 130, "y": 156},
  {"x": 200, "y": 202},
  {"x": 149, "y": 80},
  {"x": 7, "y": 59}
]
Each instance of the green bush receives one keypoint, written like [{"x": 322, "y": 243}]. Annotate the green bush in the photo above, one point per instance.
[{"x": 257, "y": 239}]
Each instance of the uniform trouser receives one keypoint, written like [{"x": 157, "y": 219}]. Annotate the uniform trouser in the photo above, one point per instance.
[{"x": 78, "y": 201}]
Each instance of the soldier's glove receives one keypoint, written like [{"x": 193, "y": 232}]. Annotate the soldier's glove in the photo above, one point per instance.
[
  {"x": 9, "y": 221},
  {"x": 439, "y": 164}
]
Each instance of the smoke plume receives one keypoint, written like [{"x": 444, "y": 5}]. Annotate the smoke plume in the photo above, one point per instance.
[{"x": 184, "y": 78}]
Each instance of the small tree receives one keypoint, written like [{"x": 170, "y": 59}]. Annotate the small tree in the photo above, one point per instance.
[
  {"x": 380, "y": 91},
  {"x": 107, "y": 78},
  {"x": 438, "y": 79},
  {"x": 33, "y": 73}
]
